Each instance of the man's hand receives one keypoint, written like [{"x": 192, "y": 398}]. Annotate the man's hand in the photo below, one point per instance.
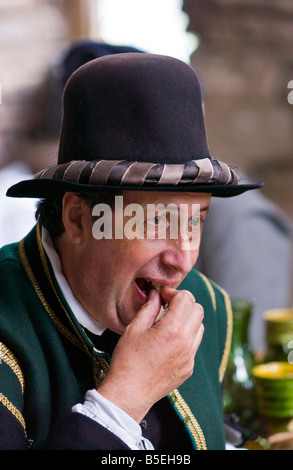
[{"x": 153, "y": 358}]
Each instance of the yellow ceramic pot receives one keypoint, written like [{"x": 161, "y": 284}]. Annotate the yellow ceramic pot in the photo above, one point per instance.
[{"x": 279, "y": 333}]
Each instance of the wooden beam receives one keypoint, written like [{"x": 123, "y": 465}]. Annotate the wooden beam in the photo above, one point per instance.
[{"x": 82, "y": 18}]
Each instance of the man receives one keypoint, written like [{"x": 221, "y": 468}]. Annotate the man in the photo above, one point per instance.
[{"x": 88, "y": 360}]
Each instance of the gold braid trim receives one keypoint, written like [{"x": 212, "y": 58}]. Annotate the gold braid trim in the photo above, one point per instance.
[
  {"x": 227, "y": 347},
  {"x": 189, "y": 419},
  {"x": 13, "y": 410},
  {"x": 8, "y": 357}
]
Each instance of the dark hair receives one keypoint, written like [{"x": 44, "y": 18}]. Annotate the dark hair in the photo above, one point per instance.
[{"x": 49, "y": 210}]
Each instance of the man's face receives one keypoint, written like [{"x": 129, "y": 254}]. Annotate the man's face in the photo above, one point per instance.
[{"x": 113, "y": 276}]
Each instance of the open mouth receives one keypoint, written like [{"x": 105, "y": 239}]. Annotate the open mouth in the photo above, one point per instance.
[{"x": 144, "y": 287}]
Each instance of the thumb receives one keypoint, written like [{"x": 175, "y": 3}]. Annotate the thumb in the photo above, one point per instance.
[{"x": 146, "y": 316}]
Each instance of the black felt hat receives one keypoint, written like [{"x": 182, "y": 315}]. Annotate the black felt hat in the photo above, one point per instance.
[{"x": 134, "y": 121}]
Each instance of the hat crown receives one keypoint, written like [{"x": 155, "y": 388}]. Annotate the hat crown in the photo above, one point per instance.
[{"x": 134, "y": 107}]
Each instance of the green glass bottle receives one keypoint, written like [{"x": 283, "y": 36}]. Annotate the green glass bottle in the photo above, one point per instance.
[{"x": 239, "y": 383}]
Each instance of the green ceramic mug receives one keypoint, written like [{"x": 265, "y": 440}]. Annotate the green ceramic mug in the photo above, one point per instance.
[{"x": 274, "y": 389}]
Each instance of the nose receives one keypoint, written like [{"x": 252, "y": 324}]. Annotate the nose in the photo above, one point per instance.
[{"x": 179, "y": 259}]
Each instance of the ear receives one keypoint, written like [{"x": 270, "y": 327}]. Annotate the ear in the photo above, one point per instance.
[{"x": 72, "y": 216}]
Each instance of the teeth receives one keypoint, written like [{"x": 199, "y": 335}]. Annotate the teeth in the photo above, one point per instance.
[{"x": 157, "y": 286}]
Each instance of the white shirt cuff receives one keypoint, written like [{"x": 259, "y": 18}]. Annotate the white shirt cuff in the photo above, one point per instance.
[{"x": 114, "y": 419}]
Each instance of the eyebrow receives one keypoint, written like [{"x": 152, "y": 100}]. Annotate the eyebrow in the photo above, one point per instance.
[
  {"x": 171, "y": 209},
  {"x": 203, "y": 209}
]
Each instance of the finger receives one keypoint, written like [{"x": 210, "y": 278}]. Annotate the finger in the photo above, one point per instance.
[
  {"x": 146, "y": 316},
  {"x": 168, "y": 293},
  {"x": 180, "y": 303}
]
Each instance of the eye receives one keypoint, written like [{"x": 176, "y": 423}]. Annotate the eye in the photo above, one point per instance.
[
  {"x": 156, "y": 220},
  {"x": 157, "y": 226},
  {"x": 194, "y": 222}
]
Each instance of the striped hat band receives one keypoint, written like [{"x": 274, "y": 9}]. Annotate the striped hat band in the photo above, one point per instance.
[{"x": 125, "y": 173}]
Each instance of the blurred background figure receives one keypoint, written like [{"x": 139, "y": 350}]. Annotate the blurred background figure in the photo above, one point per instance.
[
  {"x": 16, "y": 217},
  {"x": 252, "y": 259}
]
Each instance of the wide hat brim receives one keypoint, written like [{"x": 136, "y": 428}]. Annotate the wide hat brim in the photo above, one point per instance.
[{"x": 37, "y": 188}]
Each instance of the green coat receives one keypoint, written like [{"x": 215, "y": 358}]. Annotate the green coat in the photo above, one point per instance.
[{"x": 48, "y": 362}]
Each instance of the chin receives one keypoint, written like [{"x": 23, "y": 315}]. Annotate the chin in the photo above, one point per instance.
[{"x": 124, "y": 320}]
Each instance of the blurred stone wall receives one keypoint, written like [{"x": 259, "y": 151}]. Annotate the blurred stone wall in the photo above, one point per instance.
[
  {"x": 245, "y": 58},
  {"x": 32, "y": 32}
]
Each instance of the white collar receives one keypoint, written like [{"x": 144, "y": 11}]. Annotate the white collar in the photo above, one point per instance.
[{"x": 82, "y": 316}]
